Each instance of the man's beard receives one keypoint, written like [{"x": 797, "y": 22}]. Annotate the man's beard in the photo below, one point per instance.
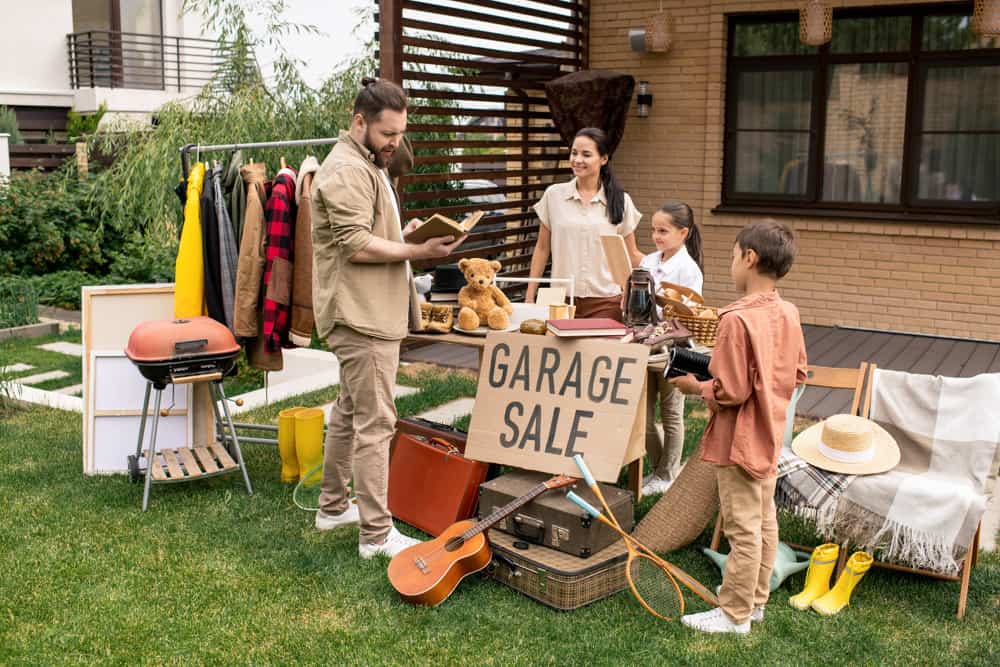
[{"x": 379, "y": 160}]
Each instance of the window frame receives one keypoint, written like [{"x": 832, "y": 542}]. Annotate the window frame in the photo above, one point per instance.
[{"x": 820, "y": 62}]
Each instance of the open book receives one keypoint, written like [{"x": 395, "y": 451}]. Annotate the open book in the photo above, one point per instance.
[{"x": 439, "y": 225}]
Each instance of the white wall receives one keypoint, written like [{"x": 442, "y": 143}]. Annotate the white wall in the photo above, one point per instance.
[
  {"x": 34, "y": 61},
  {"x": 34, "y": 58}
]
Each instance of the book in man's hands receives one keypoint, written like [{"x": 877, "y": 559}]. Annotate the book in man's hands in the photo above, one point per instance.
[
  {"x": 585, "y": 327},
  {"x": 440, "y": 225}
]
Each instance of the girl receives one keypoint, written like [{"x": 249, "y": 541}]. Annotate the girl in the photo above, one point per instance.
[
  {"x": 574, "y": 216},
  {"x": 677, "y": 260}
]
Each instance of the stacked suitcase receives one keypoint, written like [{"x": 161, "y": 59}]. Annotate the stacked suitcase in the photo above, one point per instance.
[{"x": 550, "y": 550}]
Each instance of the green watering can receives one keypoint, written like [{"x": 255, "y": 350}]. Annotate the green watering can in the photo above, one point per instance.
[{"x": 786, "y": 562}]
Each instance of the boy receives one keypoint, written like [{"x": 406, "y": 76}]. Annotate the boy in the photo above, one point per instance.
[{"x": 758, "y": 359}]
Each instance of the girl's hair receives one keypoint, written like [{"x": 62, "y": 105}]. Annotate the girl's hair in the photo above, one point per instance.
[
  {"x": 613, "y": 191},
  {"x": 682, "y": 217}
]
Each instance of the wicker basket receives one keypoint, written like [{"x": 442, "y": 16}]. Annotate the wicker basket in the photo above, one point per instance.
[{"x": 704, "y": 330}]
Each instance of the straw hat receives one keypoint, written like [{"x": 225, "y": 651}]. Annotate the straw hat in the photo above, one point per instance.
[{"x": 849, "y": 445}]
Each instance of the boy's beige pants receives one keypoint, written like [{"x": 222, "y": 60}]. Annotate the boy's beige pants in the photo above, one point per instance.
[
  {"x": 362, "y": 423},
  {"x": 750, "y": 522}
]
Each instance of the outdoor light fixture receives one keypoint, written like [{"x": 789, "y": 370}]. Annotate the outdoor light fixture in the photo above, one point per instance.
[
  {"x": 815, "y": 22},
  {"x": 644, "y": 99},
  {"x": 986, "y": 18}
]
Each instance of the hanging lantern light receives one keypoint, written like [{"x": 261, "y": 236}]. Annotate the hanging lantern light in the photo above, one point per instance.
[
  {"x": 658, "y": 32},
  {"x": 815, "y": 22},
  {"x": 986, "y": 18}
]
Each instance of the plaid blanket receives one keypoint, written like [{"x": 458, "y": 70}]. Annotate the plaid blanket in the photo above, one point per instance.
[{"x": 806, "y": 490}]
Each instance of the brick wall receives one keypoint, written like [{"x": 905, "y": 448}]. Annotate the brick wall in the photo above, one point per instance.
[{"x": 938, "y": 279}]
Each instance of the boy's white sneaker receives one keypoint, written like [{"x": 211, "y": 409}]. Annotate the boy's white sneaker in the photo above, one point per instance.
[
  {"x": 348, "y": 517},
  {"x": 715, "y": 621},
  {"x": 656, "y": 486},
  {"x": 756, "y": 616},
  {"x": 395, "y": 542}
]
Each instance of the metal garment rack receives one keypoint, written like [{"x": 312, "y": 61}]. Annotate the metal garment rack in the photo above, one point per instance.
[
  {"x": 198, "y": 148},
  {"x": 185, "y": 169}
]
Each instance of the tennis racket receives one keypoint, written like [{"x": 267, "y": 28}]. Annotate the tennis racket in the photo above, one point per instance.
[
  {"x": 651, "y": 584},
  {"x": 689, "y": 582}
]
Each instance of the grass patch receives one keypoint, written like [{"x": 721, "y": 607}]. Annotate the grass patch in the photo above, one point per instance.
[
  {"x": 211, "y": 575},
  {"x": 26, "y": 351}
]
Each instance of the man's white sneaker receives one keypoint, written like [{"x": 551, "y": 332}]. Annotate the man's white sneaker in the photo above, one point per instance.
[
  {"x": 348, "y": 517},
  {"x": 756, "y": 616},
  {"x": 715, "y": 621},
  {"x": 655, "y": 486},
  {"x": 395, "y": 542}
]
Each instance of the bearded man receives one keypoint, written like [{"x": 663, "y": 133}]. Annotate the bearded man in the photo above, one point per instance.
[{"x": 361, "y": 298}]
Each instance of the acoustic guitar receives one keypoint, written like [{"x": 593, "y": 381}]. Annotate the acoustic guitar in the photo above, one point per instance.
[{"x": 427, "y": 573}]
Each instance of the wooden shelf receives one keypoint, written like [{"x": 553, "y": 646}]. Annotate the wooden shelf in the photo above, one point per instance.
[{"x": 188, "y": 463}]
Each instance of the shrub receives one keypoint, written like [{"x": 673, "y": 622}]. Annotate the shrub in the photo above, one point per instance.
[
  {"x": 8, "y": 125},
  {"x": 62, "y": 288},
  {"x": 79, "y": 126},
  {"x": 47, "y": 223},
  {"x": 18, "y": 305}
]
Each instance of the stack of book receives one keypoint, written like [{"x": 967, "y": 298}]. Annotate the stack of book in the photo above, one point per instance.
[{"x": 592, "y": 327}]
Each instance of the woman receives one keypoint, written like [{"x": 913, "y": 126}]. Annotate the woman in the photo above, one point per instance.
[{"x": 574, "y": 216}]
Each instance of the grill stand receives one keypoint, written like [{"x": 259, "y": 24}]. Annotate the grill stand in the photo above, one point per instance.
[{"x": 185, "y": 464}]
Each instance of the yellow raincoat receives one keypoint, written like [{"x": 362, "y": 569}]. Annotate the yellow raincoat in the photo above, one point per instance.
[{"x": 189, "y": 269}]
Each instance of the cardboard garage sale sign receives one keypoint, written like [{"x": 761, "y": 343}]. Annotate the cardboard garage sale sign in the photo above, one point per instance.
[{"x": 543, "y": 399}]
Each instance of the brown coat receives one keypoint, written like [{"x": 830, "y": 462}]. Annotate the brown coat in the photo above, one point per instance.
[
  {"x": 302, "y": 306},
  {"x": 250, "y": 265}
]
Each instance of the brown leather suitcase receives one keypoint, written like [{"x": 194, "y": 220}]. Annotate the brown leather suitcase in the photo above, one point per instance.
[
  {"x": 425, "y": 429},
  {"x": 431, "y": 485},
  {"x": 554, "y": 578},
  {"x": 552, "y": 520}
]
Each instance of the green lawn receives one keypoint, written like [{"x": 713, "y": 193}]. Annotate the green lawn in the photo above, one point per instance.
[
  {"x": 26, "y": 351},
  {"x": 210, "y": 575}
]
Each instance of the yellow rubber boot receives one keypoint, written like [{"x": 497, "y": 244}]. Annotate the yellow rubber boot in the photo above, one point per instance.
[
  {"x": 309, "y": 443},
  {"x": 286, "y": 445},
  {"x": 840, "y": 595},
  {"x": 821, "y": 565}
]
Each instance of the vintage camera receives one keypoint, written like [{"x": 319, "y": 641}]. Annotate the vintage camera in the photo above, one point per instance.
[{"x": 683, "y": 361}]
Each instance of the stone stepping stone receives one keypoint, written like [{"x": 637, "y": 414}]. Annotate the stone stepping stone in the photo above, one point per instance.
[
  {"x": 447, "y": 413},
  {"x": 71, "y": 390},
  {"x": 15, "y": 368},
  {"x": 39, "y": 378},
  {"x": 62, "y": 347}
]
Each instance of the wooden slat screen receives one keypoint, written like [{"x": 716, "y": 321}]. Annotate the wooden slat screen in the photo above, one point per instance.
[{"x": 475, "y": 72}]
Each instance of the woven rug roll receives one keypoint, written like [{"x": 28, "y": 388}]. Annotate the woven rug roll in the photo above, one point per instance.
[{"x": 684, "y": 511}]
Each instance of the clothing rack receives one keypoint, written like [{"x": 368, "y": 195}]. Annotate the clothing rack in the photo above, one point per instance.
[{"x": 198, "y": 148}]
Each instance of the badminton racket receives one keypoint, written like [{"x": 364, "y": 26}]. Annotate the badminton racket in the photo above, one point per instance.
[{"x": 689, "y": 582}]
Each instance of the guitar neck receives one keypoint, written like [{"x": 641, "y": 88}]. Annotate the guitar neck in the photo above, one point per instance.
[{"x": 500, "y": 512}]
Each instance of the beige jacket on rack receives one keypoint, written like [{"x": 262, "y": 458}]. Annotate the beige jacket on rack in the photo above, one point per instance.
[
  {"x": 302, "y": 305},
  {"x": 250, "y": 265}
]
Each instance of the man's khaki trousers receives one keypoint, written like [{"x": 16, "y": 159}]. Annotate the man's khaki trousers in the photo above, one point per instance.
[
  {"x": 361, "y": 426},
  {"x": 751, "y": 525}
]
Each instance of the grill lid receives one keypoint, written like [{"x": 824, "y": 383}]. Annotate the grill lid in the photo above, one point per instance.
[{"x": 165, "y": 340}]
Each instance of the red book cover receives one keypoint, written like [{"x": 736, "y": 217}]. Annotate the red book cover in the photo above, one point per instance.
[{"x": 593, "y": 326}]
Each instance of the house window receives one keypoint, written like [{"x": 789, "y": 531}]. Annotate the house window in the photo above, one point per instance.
[{"x": 899, "y": 113}]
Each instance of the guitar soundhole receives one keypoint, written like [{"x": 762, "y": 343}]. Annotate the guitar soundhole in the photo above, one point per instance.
[{"x": 455, "y": 543}]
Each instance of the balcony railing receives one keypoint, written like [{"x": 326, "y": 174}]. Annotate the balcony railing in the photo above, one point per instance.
[{"x": 105, "y": 59}]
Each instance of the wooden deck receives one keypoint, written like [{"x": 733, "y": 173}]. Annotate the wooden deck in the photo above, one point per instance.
[{"x": 826, "y": 346}]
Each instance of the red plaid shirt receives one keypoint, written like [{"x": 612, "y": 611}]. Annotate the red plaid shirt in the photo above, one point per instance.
[{"x": 279, "y": 216}]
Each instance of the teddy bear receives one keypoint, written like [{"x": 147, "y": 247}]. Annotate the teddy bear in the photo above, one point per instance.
[{"x": 480, "y": 300}]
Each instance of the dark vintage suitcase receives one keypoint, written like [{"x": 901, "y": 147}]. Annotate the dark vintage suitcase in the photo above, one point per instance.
[
  {"x": 551, "y": 519},
  {"x": 431, "y": 485},
  {"x": 554, "y": 578}
]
